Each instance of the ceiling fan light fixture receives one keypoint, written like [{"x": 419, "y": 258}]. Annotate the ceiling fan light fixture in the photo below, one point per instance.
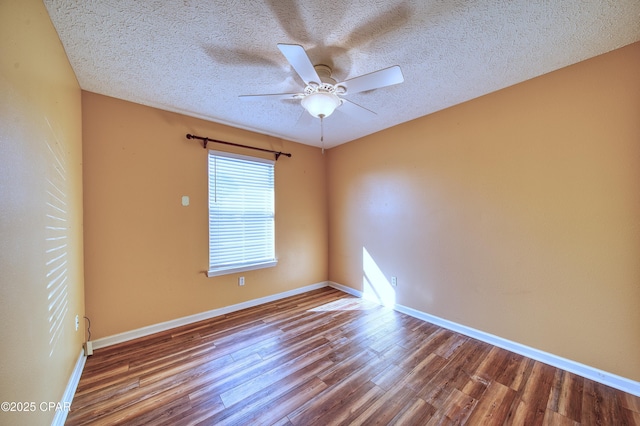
[{"x": 321, "y": 104}]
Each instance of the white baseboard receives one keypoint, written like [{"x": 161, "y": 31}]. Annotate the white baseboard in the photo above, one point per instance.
[
  {"x": 344, "y": 288},
  {"x": 70, "y": 390},
  {"x": 592, "y": 373},
  {"x": 606, "y": 378},
  {"x": 167, "y": 325}
]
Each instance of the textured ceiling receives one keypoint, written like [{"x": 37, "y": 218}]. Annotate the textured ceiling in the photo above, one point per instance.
[{"x": 197, "y": 56}]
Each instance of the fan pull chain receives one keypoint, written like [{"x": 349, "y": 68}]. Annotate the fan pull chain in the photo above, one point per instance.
[{"x": 322, "y": 131}]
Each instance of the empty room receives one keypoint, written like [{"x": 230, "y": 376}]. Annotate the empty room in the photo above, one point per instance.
[{"x": 305, "y": 213}]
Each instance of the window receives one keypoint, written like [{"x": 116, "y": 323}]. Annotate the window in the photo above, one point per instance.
[{"x": 241, "y": 213}]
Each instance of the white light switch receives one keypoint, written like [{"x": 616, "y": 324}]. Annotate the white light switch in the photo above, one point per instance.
[{"x": 185, "y": 200}]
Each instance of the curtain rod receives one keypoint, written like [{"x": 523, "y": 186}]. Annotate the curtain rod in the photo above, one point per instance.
[{"x": 207, "y": 140}]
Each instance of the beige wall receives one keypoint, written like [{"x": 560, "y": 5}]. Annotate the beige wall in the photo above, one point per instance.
[
  {"x": 41, "y": 266},
  {"x": 145, "y": 253},
  {"x": 516, "y": 213}
]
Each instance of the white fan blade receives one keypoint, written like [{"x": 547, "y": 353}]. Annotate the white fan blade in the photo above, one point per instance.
[
  {"x": 271, "y": 96},
  {"x": 375, "y": 80},
  {"x": 300, "y": 62},
  {"x": 352, "y": 109}
]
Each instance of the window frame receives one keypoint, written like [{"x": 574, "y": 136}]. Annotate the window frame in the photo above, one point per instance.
[{"x": 224, "y": 269}]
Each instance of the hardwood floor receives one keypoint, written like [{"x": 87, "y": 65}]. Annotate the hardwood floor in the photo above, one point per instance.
[{"x": 325, "y": 357}]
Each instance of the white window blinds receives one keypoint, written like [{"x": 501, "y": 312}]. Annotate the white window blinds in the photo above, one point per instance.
[{"x": 241, "y": 213}]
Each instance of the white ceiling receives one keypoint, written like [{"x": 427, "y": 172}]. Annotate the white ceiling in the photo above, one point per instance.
[{"x": 196, "y": 56}]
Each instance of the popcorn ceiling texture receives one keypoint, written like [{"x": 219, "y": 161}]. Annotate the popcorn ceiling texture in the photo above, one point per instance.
[{"x": 196, "y": 56}]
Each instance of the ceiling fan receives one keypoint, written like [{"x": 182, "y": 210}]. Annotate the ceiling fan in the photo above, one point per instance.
[{"x": 322, "y": 94}]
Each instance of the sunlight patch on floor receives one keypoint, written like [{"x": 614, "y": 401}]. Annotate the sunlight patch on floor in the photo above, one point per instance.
[{"x": 349, "y": 304}]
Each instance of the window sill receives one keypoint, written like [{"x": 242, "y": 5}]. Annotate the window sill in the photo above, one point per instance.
[{"x": 224, "y": 271}]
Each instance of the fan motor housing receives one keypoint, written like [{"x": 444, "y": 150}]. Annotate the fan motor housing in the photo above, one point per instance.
[
  {"x": 324, "y": 72},
  {"x": 327, "y": 82}
]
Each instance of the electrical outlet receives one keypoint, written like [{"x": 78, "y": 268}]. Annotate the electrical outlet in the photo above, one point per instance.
[
  {"x": 394, "y": 281},
  {"x": 88, "y": 348},
  {"x": 241, "y": 281},
  {"x": 77, "y": 322}
]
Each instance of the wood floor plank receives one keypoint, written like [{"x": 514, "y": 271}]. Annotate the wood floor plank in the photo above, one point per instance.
[
  {"x": 493, "y": 407},
  {"x": 552, "y": 418},
  {"x": 334, "y": 397},
  {"x": 419, "y": 412},
  {"x": 249, "y": 387},
  {"x": 384, "y": 408},
  {"x": 629, "y": 417},
  {"x": 390, "y": 376},
  {"x": 455, "y": 410},
  {"x": 629, "y": 401},
  {"x": 350, "y": 407},
  {"x": 455, "y": 375},
  {"x": 530, "y": 407},
  {"x": 513, "y": 371},
  {"x": 247, "y": 410},
  {"x": 324, "y": 358},
  {"x": 279, "y": 409},
  {"x": 602, "y": 404},
  {"x": 566, "y": 395},
  {"x": 475, "y": 387}
]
